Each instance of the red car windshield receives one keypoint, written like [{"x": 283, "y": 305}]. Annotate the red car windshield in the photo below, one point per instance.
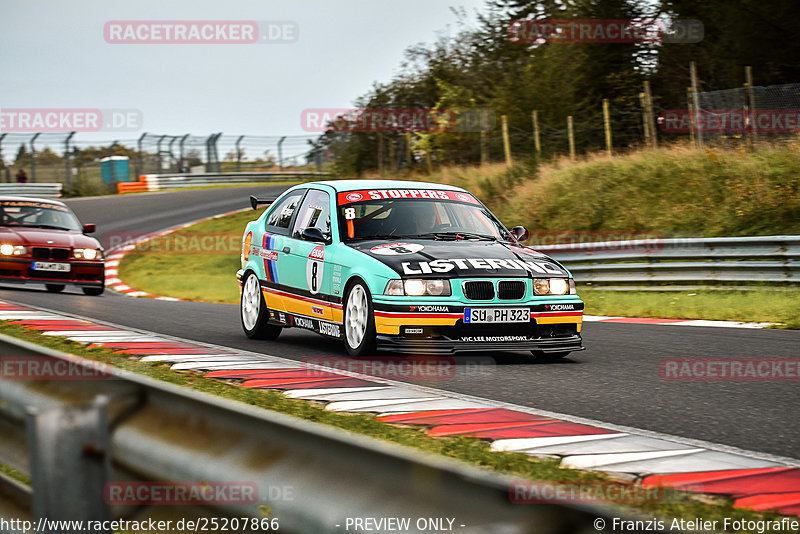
[{"x": 34, "y": 214}]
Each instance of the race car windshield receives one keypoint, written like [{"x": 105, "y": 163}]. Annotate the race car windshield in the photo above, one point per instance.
[
  {"x": 30, "y": 214},
  {"x": 418, "y": 218}
]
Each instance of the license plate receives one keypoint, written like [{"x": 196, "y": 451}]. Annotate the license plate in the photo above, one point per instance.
[
  {"x": 50, "y": 266},
  {"x": 497, "y": 315}
]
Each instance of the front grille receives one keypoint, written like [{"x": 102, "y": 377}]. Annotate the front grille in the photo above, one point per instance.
[
  {"x": 479, "y": 290},
  {"x": 44, "y": 253},
  {"x": 510, "y": 289}
]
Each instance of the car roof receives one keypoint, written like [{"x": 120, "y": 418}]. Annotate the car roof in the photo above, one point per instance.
[
  {"x": 32, "y": 199},
  {"x": 356, "y": 185}
]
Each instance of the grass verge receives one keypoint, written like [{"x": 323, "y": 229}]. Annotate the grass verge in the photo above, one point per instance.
[
  {"x": 195, "y": 263},
  {"x": 471, "y": 450},
  {"x": 757, "y": 306}
]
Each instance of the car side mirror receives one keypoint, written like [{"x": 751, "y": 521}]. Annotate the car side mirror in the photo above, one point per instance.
[
  {"x": 89, "y": 228},
  {"x": 313, "y": 234},
  {"x": 520, "y": 233}
]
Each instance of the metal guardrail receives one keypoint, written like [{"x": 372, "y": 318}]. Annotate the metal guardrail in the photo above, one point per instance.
[
  {"x": 83, "y": 434},
  {"x": 39, "y": 190},
  {"x": 718, "y": 259},
  {"x": 168, "y": 181}
]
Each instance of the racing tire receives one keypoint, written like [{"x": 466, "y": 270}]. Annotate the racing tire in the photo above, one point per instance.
[
  {"x": 254, "y": 312},
  {"x": 359, "y": 321},
  {"x": 544, "y": 356},
  {"x": 93, "y": 291},
  {"x": 55, "y": 288}
]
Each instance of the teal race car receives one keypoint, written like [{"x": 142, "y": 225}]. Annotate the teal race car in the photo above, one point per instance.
[{"x": 401, "y": 266}]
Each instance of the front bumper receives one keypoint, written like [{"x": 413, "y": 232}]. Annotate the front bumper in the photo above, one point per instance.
[
  {"x": 554, "y": 326},
  {"x": 403, "y": 345},
  {"x": 81, "y": 273}
]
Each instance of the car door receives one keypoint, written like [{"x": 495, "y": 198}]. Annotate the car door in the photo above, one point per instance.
[
  {"x": 306, "y": 266},
  {"x": 277, "y": 227}
]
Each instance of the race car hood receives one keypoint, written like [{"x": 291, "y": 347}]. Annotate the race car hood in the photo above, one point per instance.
[
  {"x": 460, "y": 259},
  {"x": 46, "y": 237}
]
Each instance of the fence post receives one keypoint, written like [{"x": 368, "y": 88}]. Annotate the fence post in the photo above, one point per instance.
[
  {"x": 506, "y": 142},
  {"x": 696, "y": 104},
  {"x": 158, "y": 153},
  {"x": 409, "y": 161},
  {"x": 690, "y": 107},
  {"x": 68, "y": 161},
  {"x": 280, "y": 152},
  {"x": 651, "y": 122},
  {"x": 484, "y": 137},
  {"x": 645, "y": 122},
  {"x": 2, "y": 163},
  {"x": 380, "y": 153},
  {"x": 139, "y": 156},
  {"x": 181, "y": 163},
  {"x": 392, "y": 155},
  {"x": 33, "y": 157},
  {"x": 571, "y": 136},
  {"x": 111, "y": 162},
  {"x": 239, "y": 154},
  {"x": 536, "y": 141},
  {"x": 607, "y": 127},
  {"x": 750, "y": 102}
]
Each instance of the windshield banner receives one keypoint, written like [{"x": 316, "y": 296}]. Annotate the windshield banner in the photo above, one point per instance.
[{"x": 348, "y": 197}]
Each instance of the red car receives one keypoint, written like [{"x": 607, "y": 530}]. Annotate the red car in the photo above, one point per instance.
[{"x": 42, "y": 241}]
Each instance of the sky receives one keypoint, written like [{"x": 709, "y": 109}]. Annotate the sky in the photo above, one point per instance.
[{"x": 54, "y": 55}]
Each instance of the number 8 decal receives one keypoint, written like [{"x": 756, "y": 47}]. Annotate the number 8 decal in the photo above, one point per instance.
[{"x": 315, "y": 267}]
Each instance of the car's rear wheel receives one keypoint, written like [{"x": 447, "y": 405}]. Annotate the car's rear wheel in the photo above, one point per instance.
[
  {"x": 544, "y": 356},
  {"x": 93, "y": 291},
  {"x": 254, "y": 312},
  {"x": 359, "y": 321},
  {"x": 55, "y": 288}
]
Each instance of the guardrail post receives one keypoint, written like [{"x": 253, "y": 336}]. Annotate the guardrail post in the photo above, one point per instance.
[{"x": 70, "y": 464}]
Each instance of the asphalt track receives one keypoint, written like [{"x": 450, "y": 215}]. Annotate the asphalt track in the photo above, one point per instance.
[{"x": 617, "y": 380}]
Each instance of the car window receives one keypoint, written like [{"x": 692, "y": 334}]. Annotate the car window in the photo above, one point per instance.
[
  {"x": 315, "y": 212},
  {"x": 280, "y": 217}
]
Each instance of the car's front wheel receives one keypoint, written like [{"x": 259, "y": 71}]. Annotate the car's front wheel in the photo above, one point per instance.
[
  {"x": 359, "y": 321},
  {"x": 255, "y": 316},
  {"x": 55, "y": 288},
  {"x": 93, "y": 291}
]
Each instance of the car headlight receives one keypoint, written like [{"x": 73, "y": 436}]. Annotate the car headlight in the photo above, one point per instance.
[
  {"x": 88, "y": 254},
  {"x": 12, "y": 250},
  {"x": 552, "y": 286},
  {"x": 416, "y": 287}
]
